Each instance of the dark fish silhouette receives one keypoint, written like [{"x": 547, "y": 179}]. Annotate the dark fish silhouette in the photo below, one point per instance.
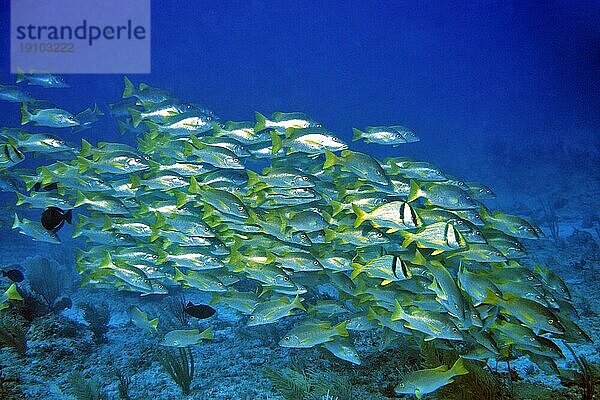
[
  {"x": 51, "y": 186},
  {"x": 53, "y": 218},
  {"x": 63, "y": 304},
  {"x": 14, "y": 275},
  {"x": 199, "y": 311}
]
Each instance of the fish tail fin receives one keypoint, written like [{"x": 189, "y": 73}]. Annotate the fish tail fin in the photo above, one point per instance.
[
  {"x": 276, "y": 142},
  {"x": 69, "y": 217},
  {"x": 122, "y": 126},
  {"x": 154, "y": 235},
  {"x": 86, "y": 148},
  {"x": 107, "y": 223},
  {"x": 97, "y": 110},
  {"x": 160, "y": 221},
  {"x": 20, "y": 75},
  {"x": 361, "y": 215},
  {"x": 194, "y": 188},
  {"x": 16, "y": 222},
  {"x": 179, "y": 276},
  {"x": 46, "y": 176},
  {"x": 180, "y": 198},
  {"x": 106, "y": 261},
  {"x": 371, "y": 314},
  {"x": 357, "y": 134},
  {"x": 136, "y": 116},
  {"x": 128, "y": 87},
  {"x": 135, "y": 181},
  {"x": 341, "y": 330},
  {"x": 357, "y": 269},
  {"x": 253, "y": 178},
  {"x": 77, "y": 229},
  {"x": 330, "y": 159},
  {"x": 215, "y": 298},
  {"x": 408, "y": 238},
  {"x": 297, "y": 303},
  {"x": 261, "y": 122},
  {"x": 83, "y": 164},
  {"x": 188, "y": 149},
  {"x": 153, "y": 128},
  {"x": 415, "y": 191},
  {"x": 336, "y": 208},
  {"x": 162, "y": 256},
  {"x": 79, "y": 199},
  {"x": 418, "y": 259},
  {"x": 25, "y": 114},
  {"x": 261, "y": 197},
  {"x": 154, "y": 323},
  {"x": 329, "y": 234},
  {"x": 20, "y": 199},
  {"x": 13, "y": 293},
  {"x": 459, "y": 367},
  {"x": 154, "y": 166},
  {"x": 208, "y": 333},
  {"x": 399, "y": 312}
]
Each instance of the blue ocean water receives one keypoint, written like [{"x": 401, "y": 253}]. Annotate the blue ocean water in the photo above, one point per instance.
[{"x": 505, "y": 93}]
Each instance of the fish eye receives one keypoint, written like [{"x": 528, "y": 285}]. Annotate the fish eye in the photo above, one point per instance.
[
  {"x": 286, "y": 279},
  {"x": 240, "y": 208},
  {"x": 530, "y": 278},
  {"x": 468, "y": 198},
  {"x": 219, "y": 284},
  {"x": 315, "y": 262},
  {"x": 551, "y": 321},
  {"x": 475, "y": 316},
  {"x": 401, "y": 384},
  {"x": 319, "y": 125},
  {"x": 251, "y": 317},
  {"x": 538, "y": 297},
  {"x": 478, "y": 233},
  {"x": 379, "y": 234},
  {"x": 455, "y": 329},
  {"x": 206, "y": 229},
  {"x": 236, "y": 160},
  {"x": 532, "y": 339},
  {"x": 305, "y": 178},
  {"x": 384, "y": 200},
  {"x": 208, "y": 118},
  {"x": 456, "y": 306},
  {"x": 377, "y": 173},
  {"x": 189, "y": 106},
  {"x": 287, "y": 338}
]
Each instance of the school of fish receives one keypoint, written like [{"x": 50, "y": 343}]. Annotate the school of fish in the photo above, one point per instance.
[{"x": 264, "y": 214}]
